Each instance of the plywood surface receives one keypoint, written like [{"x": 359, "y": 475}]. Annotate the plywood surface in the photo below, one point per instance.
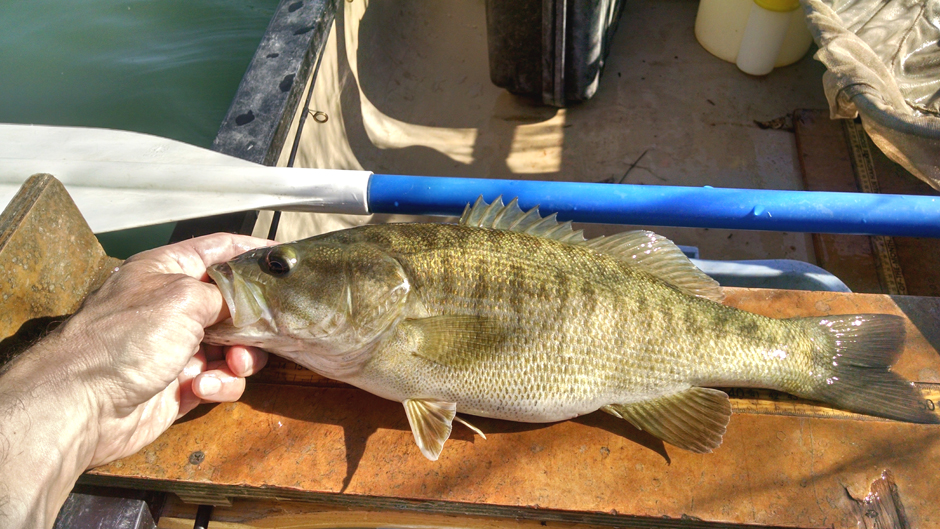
[{"x": 343, "y": 447}]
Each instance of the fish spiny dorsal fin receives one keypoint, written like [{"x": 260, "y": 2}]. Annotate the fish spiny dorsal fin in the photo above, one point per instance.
[
  {"x": 646, "y": 250},
  {"x": 660, "y": 257},
  {"x": 481, "y": 215},
  {"x": 511, "y": 218}
]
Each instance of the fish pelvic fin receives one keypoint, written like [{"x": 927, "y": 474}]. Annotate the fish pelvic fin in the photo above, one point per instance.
[
  {"x": 431, "y": 423},
  {"x": 652, "y": 253},
  {"x": 851, "y": 363},
  {"x": 472, "y": 427},
  {"x": 694, "y": 419}
]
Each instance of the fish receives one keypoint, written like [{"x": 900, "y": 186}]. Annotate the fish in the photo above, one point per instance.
[{"x": 511, "y": 315}]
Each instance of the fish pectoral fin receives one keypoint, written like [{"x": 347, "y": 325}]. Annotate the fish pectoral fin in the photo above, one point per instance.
[
  {"x": 455, "y": 340},
  {"x": 693, "y": 419},
  {"x": 431, "y": 423}
]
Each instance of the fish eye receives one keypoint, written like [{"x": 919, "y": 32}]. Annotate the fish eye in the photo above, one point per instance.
[{"x": 278, "y": 262}]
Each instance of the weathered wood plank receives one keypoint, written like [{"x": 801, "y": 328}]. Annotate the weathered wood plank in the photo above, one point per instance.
[
  {"x": 249, "y": 514},
  {"x": 50, "y": 261}
]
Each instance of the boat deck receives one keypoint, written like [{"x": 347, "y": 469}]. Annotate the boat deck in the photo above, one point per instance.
[{"x": 404, "y": 88}]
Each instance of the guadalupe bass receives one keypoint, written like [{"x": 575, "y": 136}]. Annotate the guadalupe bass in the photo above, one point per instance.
[{"x": 514, "y": 316}]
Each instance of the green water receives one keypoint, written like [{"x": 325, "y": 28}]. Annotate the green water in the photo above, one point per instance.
[{"x": 164, "y": 67}]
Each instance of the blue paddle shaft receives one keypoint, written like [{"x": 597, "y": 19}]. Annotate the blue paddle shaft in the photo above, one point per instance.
[{"x": 692, "y": 207}]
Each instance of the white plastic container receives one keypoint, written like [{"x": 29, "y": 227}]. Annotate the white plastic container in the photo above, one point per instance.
[{"x": 778, "y": 36}]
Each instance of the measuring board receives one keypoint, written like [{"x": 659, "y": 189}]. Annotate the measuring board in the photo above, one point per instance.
[
  {"x": 770, "y": 402},
  {"x": 743, "y": 400},
  {"x": 886, "y": 253}
]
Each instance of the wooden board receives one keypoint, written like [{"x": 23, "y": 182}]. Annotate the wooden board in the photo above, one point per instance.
[
  {"x": 831, "y": 162},
  {"x": 248, "y": 514},
  {"x": 346, "y": 449},
  {"x": 50, "y": 261}
]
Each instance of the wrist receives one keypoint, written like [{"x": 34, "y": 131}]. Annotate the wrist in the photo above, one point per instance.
[{"x": 49, "y": 434}]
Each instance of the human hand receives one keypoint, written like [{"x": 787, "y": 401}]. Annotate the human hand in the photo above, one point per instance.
[
  {"x": 116, "y": 374},
  {"x": 140, "y": 336}
]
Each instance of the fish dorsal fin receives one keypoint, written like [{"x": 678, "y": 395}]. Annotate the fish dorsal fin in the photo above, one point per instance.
[
  {"x": 431, "y": 423},
  {"x": 646, "y": 250},
  {"x": 660, "y": 257},
  {"x": 694, "y": 419},
  {"x": 511, "y": 218}
]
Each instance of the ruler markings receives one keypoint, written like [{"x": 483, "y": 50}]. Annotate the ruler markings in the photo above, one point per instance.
[
  {"x": 886, "y": 253},
  {"x": 770, "y": 402}
]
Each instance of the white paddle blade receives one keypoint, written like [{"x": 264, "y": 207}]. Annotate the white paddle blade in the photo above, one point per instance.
[{"x": 123, "y": 180}]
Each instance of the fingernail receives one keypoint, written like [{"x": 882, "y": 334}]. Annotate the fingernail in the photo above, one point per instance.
[{"x": 209, "y": 386}]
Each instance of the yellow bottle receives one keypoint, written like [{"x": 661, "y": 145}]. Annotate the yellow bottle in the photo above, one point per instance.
[{"x": 778, "y": 35}]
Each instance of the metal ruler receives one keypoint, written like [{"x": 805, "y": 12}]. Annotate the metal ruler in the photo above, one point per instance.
[
  {"x": 743, "y": 400},
  {"x": 770, "y": 402},
  {"x": 886, "y": 253}
]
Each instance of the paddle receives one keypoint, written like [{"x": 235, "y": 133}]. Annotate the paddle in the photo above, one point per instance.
[{"x": 124, "y": 179}]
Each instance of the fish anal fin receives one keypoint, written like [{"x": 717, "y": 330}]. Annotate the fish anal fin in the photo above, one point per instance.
[
  {"x": 694, "y": 419},
  {"x": 661, "y": 258},
  {"x": 431, "y": 423},
  {"x": 454, "y": 341}
]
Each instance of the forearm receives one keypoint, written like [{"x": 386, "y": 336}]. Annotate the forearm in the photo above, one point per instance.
[{"x": 47, "y": 435}]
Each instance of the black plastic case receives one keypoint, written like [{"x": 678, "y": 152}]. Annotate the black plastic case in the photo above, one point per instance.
[{"x": 551, "y": 50}]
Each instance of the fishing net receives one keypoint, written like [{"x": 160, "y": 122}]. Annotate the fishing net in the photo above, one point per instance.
[{"x": 883, "y": 63}]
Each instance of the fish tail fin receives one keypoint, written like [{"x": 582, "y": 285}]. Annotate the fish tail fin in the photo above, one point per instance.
[{"x": 851, "y": 362}]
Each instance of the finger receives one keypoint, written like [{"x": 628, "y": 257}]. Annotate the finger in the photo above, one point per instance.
[
  {"x": 214, "y": 353},
  {"x": 202, "y": 302},
  {"x": 244, "y": 361},
  {"x": 193, "y": 256},
  {"x": 197, "y": 364},
  {"x": 187, "y": 399},
  {"x": 218, "y": 385},
  {"x": 224, "y": 313}
]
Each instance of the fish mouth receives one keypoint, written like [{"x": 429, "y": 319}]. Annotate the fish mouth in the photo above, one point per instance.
[
  {"x": 224, "y": 278},
  {"x": 244, "y": 299}
]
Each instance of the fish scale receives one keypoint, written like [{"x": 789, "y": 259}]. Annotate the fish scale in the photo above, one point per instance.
[{"x": 514, "y": 316}]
